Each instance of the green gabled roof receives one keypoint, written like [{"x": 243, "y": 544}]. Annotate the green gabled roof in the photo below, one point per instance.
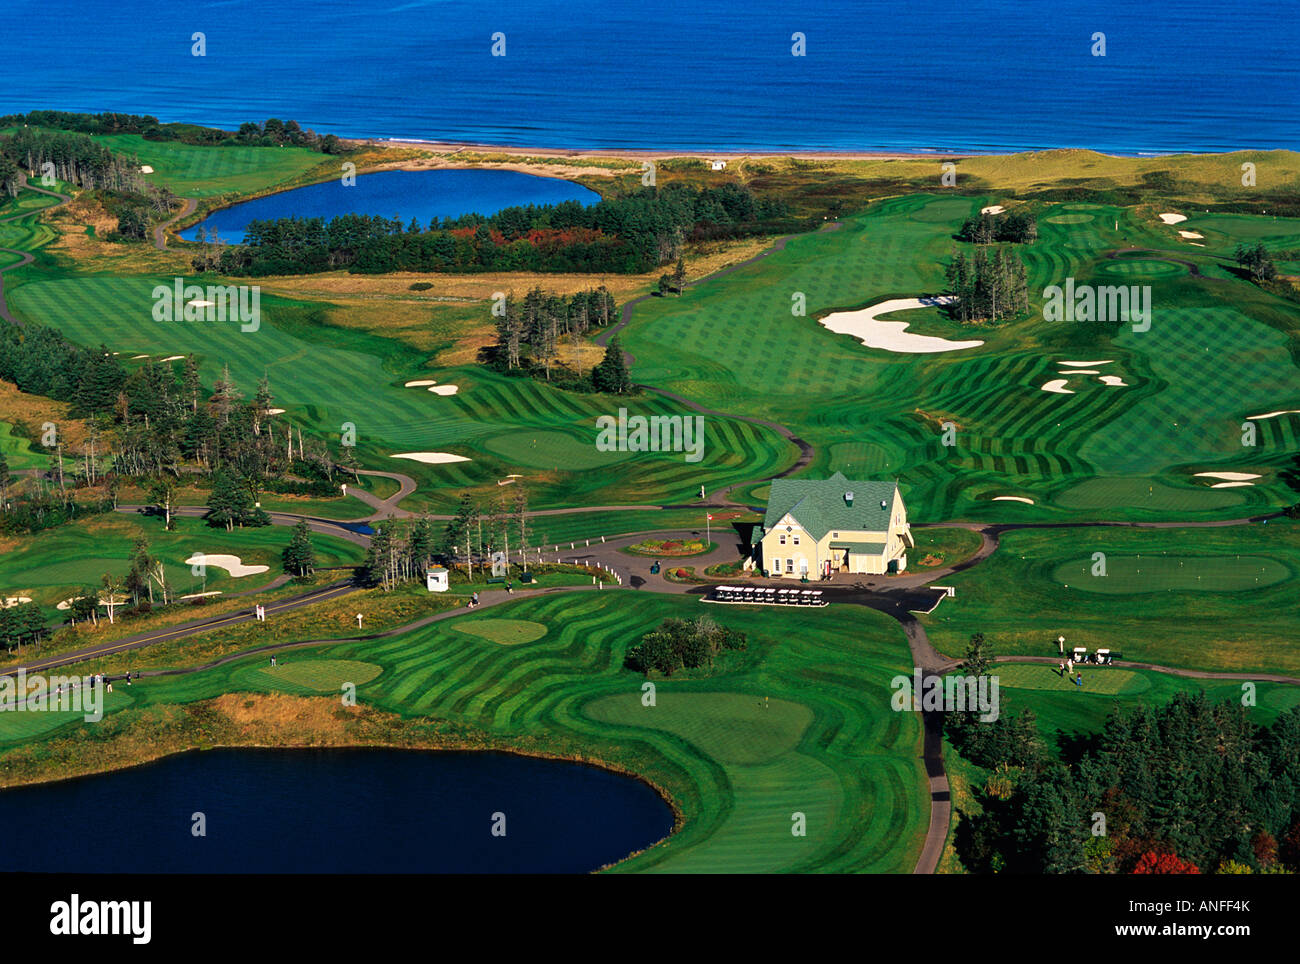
[
  {"x": 819, "y": 506},
  {"x": 859, "y": 548}
]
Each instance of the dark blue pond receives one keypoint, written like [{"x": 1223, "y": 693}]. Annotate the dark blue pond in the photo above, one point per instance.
[
  {"x": 336, "y": 811},
  {"x": 422, "y": 195}
]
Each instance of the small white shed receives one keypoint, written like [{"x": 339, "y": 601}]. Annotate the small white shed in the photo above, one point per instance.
[
  {"x": 436, "y": 579},
  {"x": 718, "y": 165}
]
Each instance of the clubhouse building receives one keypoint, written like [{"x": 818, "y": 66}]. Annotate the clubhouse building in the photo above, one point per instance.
[{"x": 816, "y": 528}]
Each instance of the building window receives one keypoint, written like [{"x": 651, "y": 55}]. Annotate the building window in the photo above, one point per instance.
[
  {"x": 776, "y": 565},
  {"x": 835, "y": 535},
  {"x": 796, "y": 539},
  {"x": 782, "y": 538}
]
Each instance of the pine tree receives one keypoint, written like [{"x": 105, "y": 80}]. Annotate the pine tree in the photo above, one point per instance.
[{"x": 299, "y": 555}]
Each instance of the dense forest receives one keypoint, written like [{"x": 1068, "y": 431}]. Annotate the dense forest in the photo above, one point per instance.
[
  {"x": 631, "y": 234},
  {"x": 273, "y": 133},
  {"x": 74, "y": 158},
  {"x": 1188, "y": 787}
]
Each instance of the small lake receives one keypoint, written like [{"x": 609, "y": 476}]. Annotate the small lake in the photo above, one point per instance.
[
  {"x": 335, "y": 811},
  {"x": 422, "y": 195}
]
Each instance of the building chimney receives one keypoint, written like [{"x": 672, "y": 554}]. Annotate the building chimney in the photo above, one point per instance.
[{"x": 882, "y": 503}]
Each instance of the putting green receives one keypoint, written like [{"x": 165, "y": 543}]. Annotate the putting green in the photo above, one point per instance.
[
  {"x": 1096, "y": 679},
  {"x": 543, "y": 449},
  {"x": 1138, "y": 574},
  {"x": 1124, "y": 493},
  {"x": 507, "y": 632},
  {"x": 1140, "y": 268},
  {"x": 308, "y": 675}
]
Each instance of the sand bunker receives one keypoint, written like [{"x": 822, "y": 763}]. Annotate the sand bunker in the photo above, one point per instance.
[
  {"x": 1173, "y": 218},
  {"x": 992, "y": 209},
  {"x": 1230, "y": 485},
  {"x": 1087, "y": 364},
  {"x": 431, "y": 458},
  {"x": 1284, "y": 411},
  {"x": 146, "y": 169},
  {"x": 444, "y": 389},
  {"x": 1114, "y": 380},
  {"x": 202, "y": 595},
  {"x": 274, "y": 411},
  {"x": 173, "y": 358},
  {"x": 892, "y": 335},
  {"x": 199, "y": 304},
  {"x": 1083, "y": 371},
  {"x": 1229, "y": 476},
  {"x": 138, "y": 357},
  {"x": 1012, "y": 498},
  {"x": 16, "y": 600},
  {"x": 1057, "y": 385},
  {"x": 420, "y": 383},
  {"x": 1190, "y": 234},
  {"x": 232, "y": 564}
]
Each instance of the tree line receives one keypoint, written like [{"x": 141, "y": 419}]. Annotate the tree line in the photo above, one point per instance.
[
  {"x": 1185, "y": 787},
  {"x": 273, "y": 133},
  {"x": 1017, "y": 227},
  {"x": 623, "y": 235}
]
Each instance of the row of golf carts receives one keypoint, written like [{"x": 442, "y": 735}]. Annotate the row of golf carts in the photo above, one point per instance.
[{"x": 768, "y": 595}]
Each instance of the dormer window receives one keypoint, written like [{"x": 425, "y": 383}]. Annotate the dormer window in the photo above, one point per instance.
[{"x": 848, "y": 498}]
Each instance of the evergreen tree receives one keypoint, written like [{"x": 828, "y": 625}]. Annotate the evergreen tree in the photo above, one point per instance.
[
  {"x": 299, "y": 556},
  {"x": 611, "y": 374}
]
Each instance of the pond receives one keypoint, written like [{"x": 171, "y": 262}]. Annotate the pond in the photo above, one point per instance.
[
  {"x": 422, "y": 195},
  {"x": 335, "y": 811}
]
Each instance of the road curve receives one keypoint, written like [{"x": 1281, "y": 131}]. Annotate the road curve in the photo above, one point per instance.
[{"x": 25, "y": 257}]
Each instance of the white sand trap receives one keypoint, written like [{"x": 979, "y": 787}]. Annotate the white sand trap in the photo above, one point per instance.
[
  {"x": 514, "y": 475},
  {"x": 146, "y": 169},
  {"x": 202, "y": 595},
  {"x": 1173, "y": 218},
  {"x": 506, "y": 482},
  {"x": 138, "y": 357},
  {"x": 274, "y": 411},
  {"x": 1230, "y": 485},
  {"x": 199, "y": 304},
  {"x": 232, "y": 564},
  {"x": 431, "y": 458},
  {"x": 172, "y": 358},
  {"x": 893, "y": 335},
  {"x": 420, "y": 383},
  {"x": 992, "y": 209},
  {"x": 1229, "y": 476},
  {"x": 16, "y": 600},
  {"x": 1082, "y": 371},
  {"x": 1114, "y": 380},
  {"x": 444, "y": 389},
  {"x": 1057, "y": 385},
  {"x": 1190, "y": 234},
  {"x": 1087, "y": 364},
  {"x": 1195, "y": 245},
  {"x": 1012, "y": 498},
  {"x": 1284, "y": 411}
]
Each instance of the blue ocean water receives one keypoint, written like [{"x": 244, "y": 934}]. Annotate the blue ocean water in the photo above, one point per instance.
[
  {"x": 422, "y": 195},
  {"x": 979, "y": 75},
  {"x": 336, "y": 811}
]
